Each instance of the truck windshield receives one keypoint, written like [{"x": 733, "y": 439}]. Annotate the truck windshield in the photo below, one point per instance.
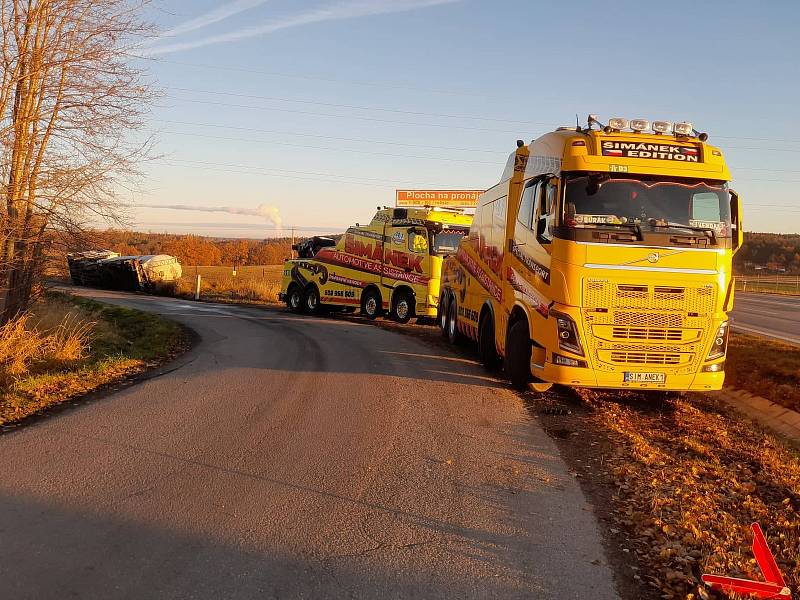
[
  {"x": 601, "y": 199},
  {"x": 446, "y": 241}
]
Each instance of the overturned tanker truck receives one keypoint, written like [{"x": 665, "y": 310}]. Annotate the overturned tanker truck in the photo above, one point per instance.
[{"x": 109, "y": 270}]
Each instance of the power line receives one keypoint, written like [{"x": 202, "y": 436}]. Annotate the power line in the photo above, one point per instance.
[
  {"x": 329, "y": 137},
  {"x": 280, "y": 171},
  {"x": 230, "y": 68},
  {"x": 449, "y": 92},
  {"x": 410, "y": 123},
  {"x": 356, "y": 107},
  {"x": 354, "y": 180},
  {"x": 387, "y": 86},
  {"x": 287, "y": 174},
  {"x": 373, "y": 141},
  {"x": 357, "y": 117},
  {"x": 338, "y": 149}
]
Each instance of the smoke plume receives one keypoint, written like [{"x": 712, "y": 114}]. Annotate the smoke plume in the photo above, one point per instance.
[{"x": 269, "y": 213}]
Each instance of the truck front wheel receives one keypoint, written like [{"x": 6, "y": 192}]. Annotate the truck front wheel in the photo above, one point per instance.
[{"x": 518, "y": 355}]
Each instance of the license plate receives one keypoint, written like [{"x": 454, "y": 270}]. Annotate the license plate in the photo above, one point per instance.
[{"x": 645, "y": 377}]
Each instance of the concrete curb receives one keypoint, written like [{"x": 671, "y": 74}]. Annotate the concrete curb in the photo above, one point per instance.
[{"x": 783, "y": 421}]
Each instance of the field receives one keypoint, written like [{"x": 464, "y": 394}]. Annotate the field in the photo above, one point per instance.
[
  {"x": 261, "y": 283},
  {"x": 771, "y": 284},
  {"x": 251, "y": 284}
]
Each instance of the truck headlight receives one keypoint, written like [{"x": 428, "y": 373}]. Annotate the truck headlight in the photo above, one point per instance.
[
  {"x": 567, "y": 333},
  {"x": 566, "y": 361},
  {"x": 714, "y": 368},
  {"x": 720, "y": 344}
]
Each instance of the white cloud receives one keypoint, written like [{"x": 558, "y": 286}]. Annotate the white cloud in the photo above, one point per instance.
[
  {"x": 334, "y": 12},
  {"x": 209, "y": 18}
]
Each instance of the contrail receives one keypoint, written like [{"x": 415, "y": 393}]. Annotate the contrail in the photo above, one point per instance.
[
  {"x": 269, "y": 213},
  {"x": 209, "y": 18},
  {"x": 335, "y": 12}
]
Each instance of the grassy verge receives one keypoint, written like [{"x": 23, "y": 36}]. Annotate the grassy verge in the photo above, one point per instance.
[
  {"x": 766, "y": 367},
  {"x": 686, "y": 479},
  {"x": 68, "y": 347},
  {"x": 250, "y": 285},
  {"x": 784, "y": 285}
]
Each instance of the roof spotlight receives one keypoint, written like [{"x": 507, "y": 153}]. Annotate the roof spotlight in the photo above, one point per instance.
[
  {"x": 617, "y": 123},
  {"x": 640, "y": 124},
  {"x": 684, "y": 128},
  {"x": 662, "y": 126}
]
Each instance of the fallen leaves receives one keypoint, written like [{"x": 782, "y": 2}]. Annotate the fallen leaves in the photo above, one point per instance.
[{"x": 689, "y": 481}]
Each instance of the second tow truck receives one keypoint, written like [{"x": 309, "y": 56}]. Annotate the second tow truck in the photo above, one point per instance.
[{"x": 392, "y": 265}]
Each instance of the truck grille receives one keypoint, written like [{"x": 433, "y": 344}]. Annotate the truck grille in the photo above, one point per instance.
[
  {"x": 601, "y": 292},
  {"x": 629, "y": 325}
]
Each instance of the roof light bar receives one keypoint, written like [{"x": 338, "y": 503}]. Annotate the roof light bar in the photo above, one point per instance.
[{"x": 617, "y": 124}]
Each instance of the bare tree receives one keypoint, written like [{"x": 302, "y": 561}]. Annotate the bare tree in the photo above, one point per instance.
[{"x": 70, "y": 104}]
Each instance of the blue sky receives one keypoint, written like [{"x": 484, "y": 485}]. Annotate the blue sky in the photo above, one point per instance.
[{"x": 311, "y": 113}]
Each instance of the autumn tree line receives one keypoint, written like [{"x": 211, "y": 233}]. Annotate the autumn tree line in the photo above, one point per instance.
[
  {"x": 194, "y": 250},
  {"x": 776, "y": 252},
  {"x": 772, "y": 251}
]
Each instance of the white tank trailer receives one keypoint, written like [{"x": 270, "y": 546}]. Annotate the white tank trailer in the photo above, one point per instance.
[{"x": 108, "y": 270}]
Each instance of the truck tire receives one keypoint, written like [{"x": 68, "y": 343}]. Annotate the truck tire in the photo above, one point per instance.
[
  {"x": 402, "y": 307},
  {"x": 371, "y": 304},
  {"x": 311, "y": 300},
  {"x": 442, "y": 313},
  {"x": 518, "y": 355},
  {"x": 294, "y": 298},
  {"x": 487, "y": 349},
  {"x": 454, "y": 336}
]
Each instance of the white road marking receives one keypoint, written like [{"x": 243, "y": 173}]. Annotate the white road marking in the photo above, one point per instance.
[
  {"x": 767, "y": 333},
  {"x": 765, "y": 301}
]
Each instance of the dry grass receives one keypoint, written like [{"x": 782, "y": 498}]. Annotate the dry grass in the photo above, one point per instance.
[
  {"x": 19, "y": 347},
  {"x": 67, "y": 347},
  {"x": 53, "y": 336},
  {"x": 252, "y": 285},
  {"x": 766, "y": 367},
  {"x": 690, "y": 480}
]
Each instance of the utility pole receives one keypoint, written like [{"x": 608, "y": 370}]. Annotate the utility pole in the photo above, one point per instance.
[{"x": 291, "y": 248}]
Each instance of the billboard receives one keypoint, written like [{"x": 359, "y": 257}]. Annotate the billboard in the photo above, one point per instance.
[{"x": 438, "y": 198}]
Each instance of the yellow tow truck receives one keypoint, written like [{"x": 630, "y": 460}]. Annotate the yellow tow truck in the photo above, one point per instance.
[
  {"x": 392, "y": 265},
  {"x": 601, "y": 259}
]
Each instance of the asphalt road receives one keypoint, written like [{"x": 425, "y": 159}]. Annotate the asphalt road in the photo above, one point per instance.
[
  {"x": 292, "y": 457},
  {"x": 767, "y": 314}
]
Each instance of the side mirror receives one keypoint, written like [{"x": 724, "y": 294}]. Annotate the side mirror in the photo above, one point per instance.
[{"x": 737, "y": 233}]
